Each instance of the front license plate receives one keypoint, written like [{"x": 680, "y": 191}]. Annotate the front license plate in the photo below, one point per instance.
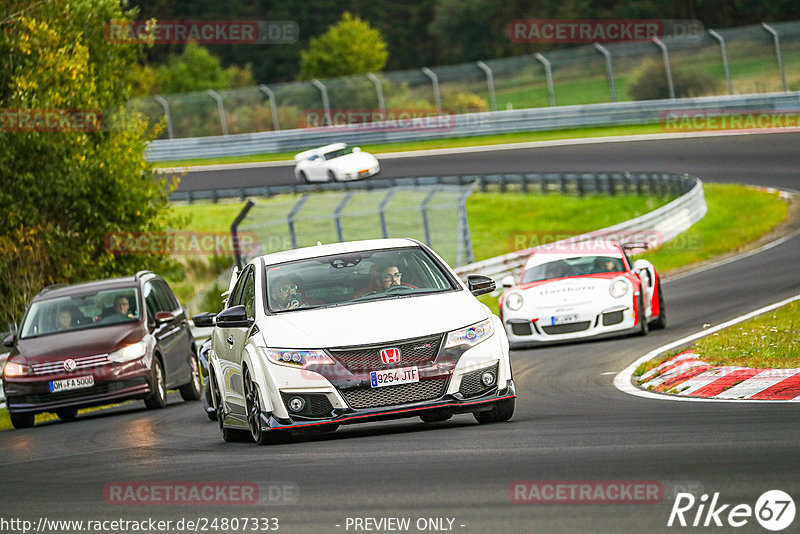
[
  {"x": 67, "y": 384},
  {"x": 393, "y": 377},
  {"x": 563, "y": 319}
]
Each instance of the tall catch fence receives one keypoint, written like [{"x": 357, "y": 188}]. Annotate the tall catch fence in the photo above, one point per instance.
[
  {"x": 433, "y": 214},
  {"x": 747, "y": 60}
]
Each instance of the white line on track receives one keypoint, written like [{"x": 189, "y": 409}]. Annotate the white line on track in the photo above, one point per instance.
[{"x": 623, "y": 380}]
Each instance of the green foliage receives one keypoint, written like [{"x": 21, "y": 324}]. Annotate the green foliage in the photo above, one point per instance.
[
  {"x": 195, "y": 69},
  {"x": 63, "y": 192},
  {"x": 650, "y": 83},
  {"x": 463, "y": 102},
  {"x": 350, "y": 46}
]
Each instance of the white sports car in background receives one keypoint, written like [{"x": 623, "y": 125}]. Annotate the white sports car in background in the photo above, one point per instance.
[
  {"x": 317, "y": 337},
  {"x": 334, "y": 163},
  {"x": 580, "y": 290}
]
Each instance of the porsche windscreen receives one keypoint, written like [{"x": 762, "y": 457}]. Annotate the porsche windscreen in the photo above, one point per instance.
[
  {"x": 573, "y": 267},
  {"x": 83, "y": 311},
  {"x": 353, "y": 278}
]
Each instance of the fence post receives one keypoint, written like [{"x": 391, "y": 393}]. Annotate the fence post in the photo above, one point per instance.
[
  {"x": 290, "y": 218},
  {"x": 379, "y": 90},
  {"x": 435, "y": 83},
  {"x": 221, "y": 109},
  {"x": 237, "y": 251},
  {"x": 326, "y": 105},
  {"x": 548, "y": 73},
  {"x": 724, "y": 51},
  {"x": 777, "y": 53},
  {"x": 424, "y": 209},
  {"x": 273, "y": 108},
  {"x": 165, "y": 106},
  {"x": 337, "y": 214},
  {"x": 465, "y": 239},
  {"x": 609, "y": 70},
  {"x": 490, "y": 82},
  {"x": 667, "y": 70},
  {"x": 382, "y": 212}
]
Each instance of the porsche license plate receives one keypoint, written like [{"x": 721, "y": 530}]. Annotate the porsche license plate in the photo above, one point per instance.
[
  {"x": 67, "y": 384},
  {"x": 393, "y": 377},
  {"x": 563, "y": 319}
]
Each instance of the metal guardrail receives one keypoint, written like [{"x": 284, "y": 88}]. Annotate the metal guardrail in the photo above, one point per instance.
[
  {"x": 465, "y": 125},
  {"x": 611, "y": 183},
  {"x": 660, "y": 225}
]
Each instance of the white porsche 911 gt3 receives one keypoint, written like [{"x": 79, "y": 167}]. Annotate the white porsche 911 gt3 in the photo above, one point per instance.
[
  {"x": 352, "y": 332},
  {"x": 334, "y": 163},
  {"x": 580, "y": 290}
]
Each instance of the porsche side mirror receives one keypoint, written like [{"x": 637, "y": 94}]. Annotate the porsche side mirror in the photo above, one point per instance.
[
  {"x": 356, "y": 149},
  {"x": 507, "y": 281},
  {"x": 479, "y": 284}
]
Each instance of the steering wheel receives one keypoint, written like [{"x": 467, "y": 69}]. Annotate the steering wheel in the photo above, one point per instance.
[{"x": 395, "y": 288}]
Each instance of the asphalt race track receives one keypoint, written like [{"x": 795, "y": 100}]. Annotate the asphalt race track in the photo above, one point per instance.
[{"x": 571, "y": 424}]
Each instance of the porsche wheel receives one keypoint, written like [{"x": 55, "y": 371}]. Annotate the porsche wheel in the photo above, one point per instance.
[
  {"x": 191, "y": 390},
  {"x": 661, "y": 321},
  {"x": 332, "y": 176},
  {"x": 302, "y": 177},
  {"x": 643, "y": 326}
]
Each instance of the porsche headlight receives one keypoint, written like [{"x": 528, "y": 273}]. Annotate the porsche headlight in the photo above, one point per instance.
[
  {"x": 471, "y": 335},
  {"x": 128, "y": 353},
  {"x": 619, "y": 288},
  {"x": 298, "y": 358},
  {"x": 513, "y": 301}
]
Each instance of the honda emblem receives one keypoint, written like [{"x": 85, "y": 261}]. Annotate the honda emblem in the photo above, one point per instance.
[{"x": 390, "y": 355}]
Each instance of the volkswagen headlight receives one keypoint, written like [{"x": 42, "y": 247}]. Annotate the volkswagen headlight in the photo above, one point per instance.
[
  {"x": 619, "y": 288},
  {"x": 513, "y": 301},
  {"x": 14, "y": 369},
  {"x": 298, "y": 358},
  {"x": 471, "y": 335},
  {"x": 128, "y": 353}
]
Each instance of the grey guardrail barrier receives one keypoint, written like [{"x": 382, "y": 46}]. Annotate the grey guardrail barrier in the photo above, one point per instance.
[
  {"x": 469, "y": 124},
  {"x": 565, "y": 183},
  {"x": 656, "y": 227}
]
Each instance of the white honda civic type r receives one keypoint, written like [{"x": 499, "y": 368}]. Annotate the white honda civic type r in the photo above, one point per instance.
[{"x": 354, "y": 332}]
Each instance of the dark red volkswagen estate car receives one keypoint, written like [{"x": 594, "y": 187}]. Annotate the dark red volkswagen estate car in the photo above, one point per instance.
[{"x": 96, "y": 343}]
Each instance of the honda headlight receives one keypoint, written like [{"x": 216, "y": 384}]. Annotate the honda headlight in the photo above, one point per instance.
[
  {"x": 471, "y": 335},
  {"x": 299, "y": 358},
  {"x": 619, "y": 288},
  {"x": 513, "y": 301},
  {"x": 128, "y": 353}
]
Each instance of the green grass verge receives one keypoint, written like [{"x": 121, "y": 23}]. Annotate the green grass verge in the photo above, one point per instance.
[
  {"x": 5, "y": 420},
  {"x": 457, "y": 142},
  {"x": 771, "y": 340},
  {"x": 768, "y": 341}
]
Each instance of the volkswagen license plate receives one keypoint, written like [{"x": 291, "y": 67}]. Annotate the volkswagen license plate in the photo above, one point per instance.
[
  {"x": 393, "y": 377},
  {"x": 71, "y": 383}
]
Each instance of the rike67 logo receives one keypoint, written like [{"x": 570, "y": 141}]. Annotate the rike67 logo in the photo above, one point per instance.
[{"x": 774, "y": 510}]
